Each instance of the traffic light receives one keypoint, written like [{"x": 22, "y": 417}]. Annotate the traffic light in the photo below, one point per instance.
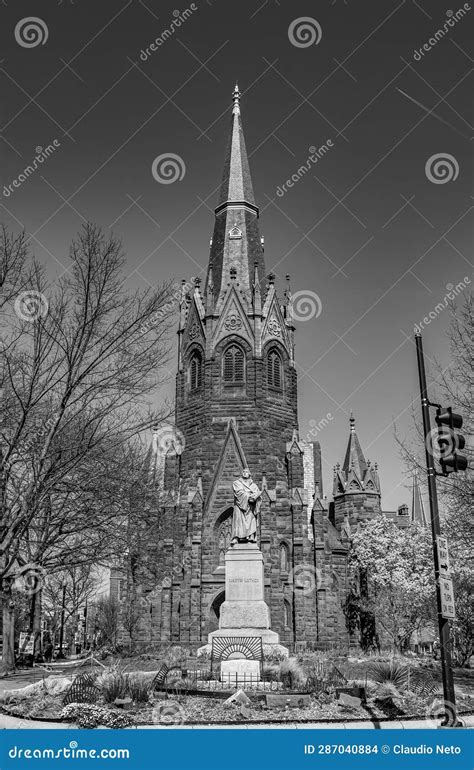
[{"x": 450, "y": 441}]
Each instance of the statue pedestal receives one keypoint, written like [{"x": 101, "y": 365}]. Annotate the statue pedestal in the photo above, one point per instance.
[{"x": 244, "y": 611}]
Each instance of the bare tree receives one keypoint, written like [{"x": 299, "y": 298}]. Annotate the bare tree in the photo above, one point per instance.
[
  {"x": 77, "y": 370},
  {"x": 71, "y": 589}
]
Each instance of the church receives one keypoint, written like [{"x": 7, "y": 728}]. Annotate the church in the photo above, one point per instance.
[{"x": 236, "y": 407}]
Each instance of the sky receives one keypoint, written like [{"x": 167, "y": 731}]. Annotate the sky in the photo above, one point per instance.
[{"x": 372, "y": 235}]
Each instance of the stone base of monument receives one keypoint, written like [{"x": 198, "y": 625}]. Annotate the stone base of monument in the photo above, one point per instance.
[
  {"x": 238, "y": 671},
  {"x": 244, "y": 611}
]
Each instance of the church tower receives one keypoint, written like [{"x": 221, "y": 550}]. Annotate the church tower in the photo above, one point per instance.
[
  {"x": 236, "y": 406},
  {"x": 356, "y": 488}
]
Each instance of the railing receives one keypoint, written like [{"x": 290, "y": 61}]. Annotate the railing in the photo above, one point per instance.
[{"x": 199, "y": 680}]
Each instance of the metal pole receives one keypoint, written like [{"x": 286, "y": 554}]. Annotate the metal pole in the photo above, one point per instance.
[
  {"x": 61, "y": 630},
  {"x": 451, "y": 719}
]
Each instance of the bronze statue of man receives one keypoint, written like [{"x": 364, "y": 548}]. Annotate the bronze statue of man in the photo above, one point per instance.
[{"x": 247, "y": 502}]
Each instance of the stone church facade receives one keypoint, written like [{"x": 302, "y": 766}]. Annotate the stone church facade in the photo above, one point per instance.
[{"x": 237, "y": 406}]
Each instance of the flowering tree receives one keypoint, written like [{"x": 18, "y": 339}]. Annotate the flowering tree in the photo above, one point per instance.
[{"x": 398, "y": 567}]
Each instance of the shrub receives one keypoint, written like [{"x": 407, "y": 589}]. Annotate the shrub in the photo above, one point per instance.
[
  {"x": 270, "y": 672},
  {"x": 274, "y": 652},
  {"x": 393, "y": 673},
  {"x": 176, "y": 656},
  {"x": 412, "y": 704},
  {"x": 291, "y": 674},
  {"x": 88, "y": 716},
  {"x": 386, "y": 691},
  {"x": 422, "y": 684},
  {"x": 139, "y": 686},
  {"x": 113, "y": 683},
  {"x": 404, "y": 678}
]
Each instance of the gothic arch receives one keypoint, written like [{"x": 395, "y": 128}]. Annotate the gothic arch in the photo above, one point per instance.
[
  {"x": 287, "y": 614},
  {"x": 274, "y": 369},
  {"x": 284, "y": 556},
  {"x": 214, "y": 609},
  {"x": 222, "y": 536},
  {"x": 234, "y": 362},
  {"x": 194, "y": 368},
  {"x": 275, "y": 359}
]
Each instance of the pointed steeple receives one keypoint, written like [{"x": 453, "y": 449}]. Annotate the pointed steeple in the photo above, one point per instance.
[
  {"x": 354, "y": 458},
  {"x": 236, "y": 184},
  {"x": 236, "y": 241},
  {"x": 418, "y": 515}
]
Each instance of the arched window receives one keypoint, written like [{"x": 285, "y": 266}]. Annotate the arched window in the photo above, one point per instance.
[
  {"x": 234, "y": 365},
  {"x": 274, "y": 370},
  {"x": 286, "y": 613},
  {"x": 284, "y": 557},
  {"x": 195, "y": 371}
]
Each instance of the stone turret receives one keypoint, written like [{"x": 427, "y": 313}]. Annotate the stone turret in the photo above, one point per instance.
[{"x": 356, "y": 486}]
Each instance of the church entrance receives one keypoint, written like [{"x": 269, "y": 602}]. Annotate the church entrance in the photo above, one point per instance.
[{"x": 215, "y": 611}]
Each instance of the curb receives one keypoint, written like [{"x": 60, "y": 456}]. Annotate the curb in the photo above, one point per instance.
[{"x": 234, "y": 723}]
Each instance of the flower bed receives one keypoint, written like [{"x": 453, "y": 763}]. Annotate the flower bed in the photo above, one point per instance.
[{"x": 387, "y": 690}]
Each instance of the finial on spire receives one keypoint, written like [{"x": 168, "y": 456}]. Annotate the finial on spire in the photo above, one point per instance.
[
  {"x": 352, "y": 422},
  {"x": 236, "y": 100}
]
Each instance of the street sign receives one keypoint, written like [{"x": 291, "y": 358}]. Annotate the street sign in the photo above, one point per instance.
[
  {"x": 443, "y": 556},
  {"x": 447, "y": 598}
]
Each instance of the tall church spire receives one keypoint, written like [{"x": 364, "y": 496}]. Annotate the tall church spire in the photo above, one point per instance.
[
  {"x": 236, "y": 184},
  {"x": 418, "y": 515},
  {"x": 236, "y": 241}
]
